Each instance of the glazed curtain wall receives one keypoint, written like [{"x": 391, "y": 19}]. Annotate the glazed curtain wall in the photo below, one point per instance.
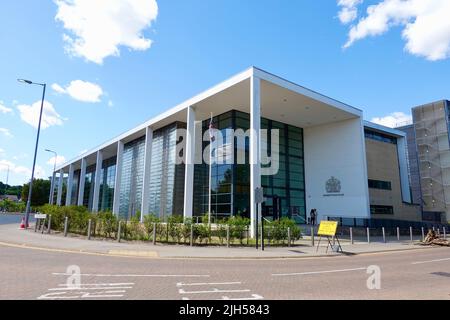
[
  {"x": 107, "y": 180},
  {"x": 231, "y": 183},
  {"x": 132, "y": 179},
  {"x": 166, "y": 177}
]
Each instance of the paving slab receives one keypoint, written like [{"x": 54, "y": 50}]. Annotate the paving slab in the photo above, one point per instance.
[{"x": 11, "y": 235}]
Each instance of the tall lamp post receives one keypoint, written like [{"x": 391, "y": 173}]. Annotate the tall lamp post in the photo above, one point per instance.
[
  {"x": 28, "y": 209},
  {"x": 52, "y": 187}
]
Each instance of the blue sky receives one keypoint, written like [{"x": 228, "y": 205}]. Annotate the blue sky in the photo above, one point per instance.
[{"x": 196, "y": 44}]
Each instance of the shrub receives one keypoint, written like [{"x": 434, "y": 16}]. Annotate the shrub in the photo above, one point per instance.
[
  {"x": 175, "y": 228},
  {"x": 149, "y": 220},
  {"x": 238, "y": 227},
  {"x": 186, "y": 229},
  {"x": 106, "y": 224}
]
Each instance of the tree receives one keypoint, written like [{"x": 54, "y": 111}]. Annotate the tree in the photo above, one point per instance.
[
  {"x": 10, "y": 190},
  {"x": 41, "y": 191}
]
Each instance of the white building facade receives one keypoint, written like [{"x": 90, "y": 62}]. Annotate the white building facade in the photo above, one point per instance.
[{"x": 321, "y": 163}]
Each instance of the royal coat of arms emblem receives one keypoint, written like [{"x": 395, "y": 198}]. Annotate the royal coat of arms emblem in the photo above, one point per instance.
[{"x": 333, "y": 185}]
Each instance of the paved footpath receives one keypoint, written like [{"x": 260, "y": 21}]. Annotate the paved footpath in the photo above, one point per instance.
[{"x": 9, "y": 234}]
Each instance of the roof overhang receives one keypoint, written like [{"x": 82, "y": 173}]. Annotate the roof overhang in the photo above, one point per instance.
[
  {"x": 281, "y": 100},
  {"x": 385, "y": 130}
]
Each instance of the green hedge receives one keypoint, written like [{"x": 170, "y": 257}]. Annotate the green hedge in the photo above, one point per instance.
[
  {"x": 175, "y": 230},
  {"x": 11, "y": 206}
]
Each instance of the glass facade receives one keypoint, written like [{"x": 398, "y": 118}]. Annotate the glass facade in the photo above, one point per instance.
[
  {"x": 75, "y": 187},
  {"x": 89, "y": 187},
  {"x": 230, "y": 181},
  {"x": 166, "y": 177},
  {"x": 108, "y": 180},
  {"x": 132, "y": 179},
  {"x": 378, "y": 136},
  {"x": 221, "y": 173},
  {"x": 285, "y": 191}
]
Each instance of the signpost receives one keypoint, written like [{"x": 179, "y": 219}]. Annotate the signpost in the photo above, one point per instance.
[
  {"x": 40, "y": 220},
  {"x": 259, "y": 199},
  {"x": 328, "y": 229}
]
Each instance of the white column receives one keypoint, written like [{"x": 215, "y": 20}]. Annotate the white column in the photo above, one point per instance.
[
  {"x": 147, "y": 169},
  {"x": 116, "y": 203},
  {"x": 97, "y": 183},
  {"x": 189, "y": 164},
  {"x": 255, "y": 148},
  {"x": 81, "y": 182},
  {"x": 60, "y": 187},
  {"x": 69, "y": 186},
  {"x": 52, "y": 189}
]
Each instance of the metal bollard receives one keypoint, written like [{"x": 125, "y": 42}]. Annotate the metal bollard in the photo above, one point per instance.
[
  {"x": 384, "y": 235},
  {"x": 167, "y": 232},
  {"x": 49, "y": 229},
  {"x": 289, "y": 236},
  {"x": 36, "y": 224},
  {"x": 89, "y": 229},
  {"x": 119, "y": 231},
  {"x": 351, "y": 236},
  {"x": 154, "y": 233},
  {"x": 43, "y": 226},
  {"x": 368, "y": 235},
  {"x": 411, "y": 234},
  {"x": 423, "y": 234},
  {"x": 66, "y": 223},
  {"x": 312, "y": 237},
  {"x": 439, "y": 232},
  {"x": 398, "y": 234},
  {"x": 228, "y": 235},
  {"x": 192, "y": 235},
  {"x": 445, "y": 233}
]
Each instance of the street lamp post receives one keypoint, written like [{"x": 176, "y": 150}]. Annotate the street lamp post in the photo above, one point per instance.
[
  {"x": 52, "y": 187},
  {"x": 30, "y": 192}
]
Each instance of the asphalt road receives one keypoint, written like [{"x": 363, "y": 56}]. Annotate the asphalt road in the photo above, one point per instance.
[
  {"x": 7, "y": 218},
  {"x": 38, "y": 274}
]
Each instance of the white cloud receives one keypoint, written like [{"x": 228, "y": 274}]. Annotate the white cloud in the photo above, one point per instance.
[
  {"x": 57, "y": 88},
  {"x": 30, "y": 115},
  {"x": 6, "y": 132},
  {"x": 98, "y": 28},
  {"x": 4, "y": 109},
  {"x": 81, "y": 90},
  {"x": 23, "y": 172},
  {"x": 2, "y": 151},
  {"x": 110, "y": 104},
  {"x": 426, "y": 25},
  {"x": 349, "y": 10},
  {"x": 59, "y": 160},
  {"x": 394, "y": 120}
]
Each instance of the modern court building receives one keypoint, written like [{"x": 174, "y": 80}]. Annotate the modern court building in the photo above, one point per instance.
[{"x": 329, "y": 159}]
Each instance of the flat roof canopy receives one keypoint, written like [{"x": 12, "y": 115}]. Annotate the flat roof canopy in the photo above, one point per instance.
[
  {"x": 277, "y": 103},
  {"x": 281, "y": 101}
]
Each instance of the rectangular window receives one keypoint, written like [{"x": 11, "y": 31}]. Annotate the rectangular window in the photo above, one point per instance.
[
  {"x": 387, "y": 210},
  {"x": 377, "y": 136},
  {"x": 381, "y": 185}
]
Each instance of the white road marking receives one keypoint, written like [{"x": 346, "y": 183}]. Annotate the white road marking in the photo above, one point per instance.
[
  {"x": 75, "y": 288},
  {"x": 101, "y": 284},
  {"x": 431, "y": 261},
  {"x": 254, "y": 297},
  {"x": 215, "y": 290},
  {"x": 138, "y": 275},
  {"x": 180, "y": 284},
  {"x": 315, "y": 272}
]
